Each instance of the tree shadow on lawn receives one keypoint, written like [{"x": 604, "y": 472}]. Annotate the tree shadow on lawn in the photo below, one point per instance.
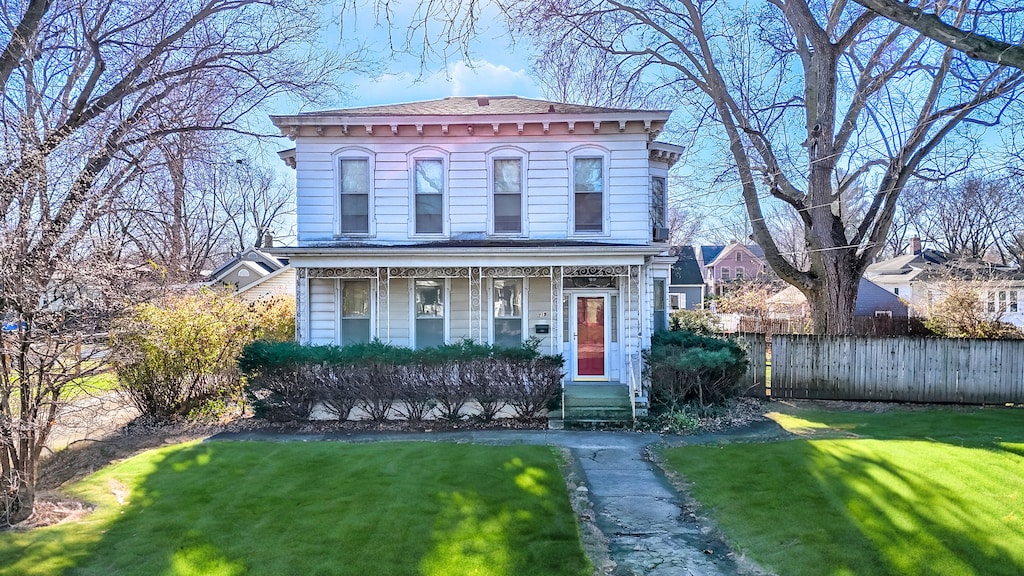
[
  {"x": 225, "y": 508},
  {"x": 864, "y": 507}
]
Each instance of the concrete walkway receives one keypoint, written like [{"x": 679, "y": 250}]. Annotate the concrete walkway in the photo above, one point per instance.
[{"x": 645, "y": 521}]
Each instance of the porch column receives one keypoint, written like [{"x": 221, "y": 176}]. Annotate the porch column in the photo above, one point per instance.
[
  {"x": 634, "y": 333},
  {"x": 476, "y": 324},
  {"x": 384, "y": 302},
  {"x": 555, "y": 326},
  {"x": 301, "y": 306}
]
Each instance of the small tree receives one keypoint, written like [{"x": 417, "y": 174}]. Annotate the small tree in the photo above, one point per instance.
[
  {"x": 962, "y": 314},
  {"x": 175, "y": 354}
]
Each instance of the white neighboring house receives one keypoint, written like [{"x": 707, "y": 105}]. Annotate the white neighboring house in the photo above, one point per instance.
[
  {"x": 494, "y": 219},
  {"x": 256, "y": 274},
  {"x": 922, "y": 278}
]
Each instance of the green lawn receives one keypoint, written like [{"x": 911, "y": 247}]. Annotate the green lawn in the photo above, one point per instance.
[
  {"x": 937, "y": 492},
  {"x": 225, "y": 508}
]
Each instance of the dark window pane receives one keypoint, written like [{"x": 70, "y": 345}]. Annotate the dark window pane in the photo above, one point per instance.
[
  {"x": 508, "y": 209},
  {"x": 658, "y": 201},
  {"x": 589, "y": 206},
  {"x": 429, "y": 332},
  {"x": 428, "y": 214},
  {"x": 508, "y": 332},
  {"x": 354, "y": 213},
  {"x": 355, "y": 331}
]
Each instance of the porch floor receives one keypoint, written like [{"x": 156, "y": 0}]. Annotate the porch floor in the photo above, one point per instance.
[{"x": 597, "y": 402}]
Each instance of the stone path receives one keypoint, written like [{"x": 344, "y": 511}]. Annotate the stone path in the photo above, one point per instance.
[{"x": 644, "y": 520}]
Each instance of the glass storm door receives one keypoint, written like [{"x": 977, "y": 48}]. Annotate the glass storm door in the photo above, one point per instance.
[{"x": 590, "y": 338}]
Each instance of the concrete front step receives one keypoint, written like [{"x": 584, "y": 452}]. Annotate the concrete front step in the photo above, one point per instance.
[{"x": 597, "y": 403}]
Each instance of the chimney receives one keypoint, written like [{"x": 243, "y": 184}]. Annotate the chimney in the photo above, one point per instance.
[
  {"x": 268, "y": 240},
  {"x": 915, "y": 245}
]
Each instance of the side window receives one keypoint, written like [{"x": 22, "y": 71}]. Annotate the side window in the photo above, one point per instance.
[
  {"x": 508, "y": 312},
  {"x": 428, "y": 195},
  {"x": 659, "y": 203},
  {"x": 588, "y": 195},
  {"x": 507, "y": 199},
  {"x": 660, "y": 315}
]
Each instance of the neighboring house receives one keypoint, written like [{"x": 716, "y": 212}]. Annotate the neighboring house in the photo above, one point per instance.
[
  {"x": 256, "y": 274},
  {"x": 923, "y": 277},
  {"x": 494, "y": 219},
  {"x": 732, "y": 262},
  {"x": 872, "y": 301},
  {"x": 686, "y": 287}
]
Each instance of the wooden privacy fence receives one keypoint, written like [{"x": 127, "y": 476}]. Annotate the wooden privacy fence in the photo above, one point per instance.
[{"x": 908, "y": 369}]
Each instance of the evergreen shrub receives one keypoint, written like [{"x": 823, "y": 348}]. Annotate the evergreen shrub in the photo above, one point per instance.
[{"x": 688, "y": 368}]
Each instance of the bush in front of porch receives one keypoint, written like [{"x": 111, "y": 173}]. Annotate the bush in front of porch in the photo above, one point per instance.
[
  {"x": 689, "y": 373},
  {"x": 286, "y": 381}
]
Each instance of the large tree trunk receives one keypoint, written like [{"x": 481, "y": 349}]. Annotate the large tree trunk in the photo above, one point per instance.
[{"x": 833, "y": 300}]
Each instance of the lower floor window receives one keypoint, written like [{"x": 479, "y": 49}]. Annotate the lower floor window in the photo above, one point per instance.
[
  {"x": 508, "y": 312},
  {"x": 429, "y": 313},
  {"x": 355, "y": 311}
]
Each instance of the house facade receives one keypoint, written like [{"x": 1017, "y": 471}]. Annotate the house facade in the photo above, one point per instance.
[
  {"x": 256, "y": 274},
  {"x": 721, "y": 265},
  {"x": 924, "y": 277},
  {"x": 492, "y": 219},
  {"x": 687, "y": 287}
]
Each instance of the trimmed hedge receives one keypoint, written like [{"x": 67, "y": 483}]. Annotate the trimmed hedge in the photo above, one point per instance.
[
  {"x": 685, "y": 367},
  {"x": 285, "y": 380}
]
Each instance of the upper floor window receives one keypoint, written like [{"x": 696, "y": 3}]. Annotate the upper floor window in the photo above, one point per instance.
[
  {"x": 739, "y": 273},
  {"x": 428, "y": 195},
  {"x": 588, "y": 194},
  {"x": 725, "y": 275},
  {"x": 659, "y": 203},
  {"x": 739, "y": 257},
  {"x": 354, "y": 195},
  {"x": 507, "y": 199}
]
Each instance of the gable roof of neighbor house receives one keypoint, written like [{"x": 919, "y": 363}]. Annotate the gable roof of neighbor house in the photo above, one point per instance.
[
  {"x": 686, "y": 271},
  {"x": 711, "y": 253},
  {"x": 870, "y": 298},
  {"x": 258, "y": 261},
  {"x": 934, "y": 265}
]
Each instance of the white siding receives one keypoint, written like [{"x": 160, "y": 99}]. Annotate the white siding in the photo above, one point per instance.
[
  {"x": 322, "y": 311},
  {"x": 547, "y": 184},
  {"x": 458, "y": 310},
  {"x": 282, "y": 285},
  {"x": 539, "y": 310}
]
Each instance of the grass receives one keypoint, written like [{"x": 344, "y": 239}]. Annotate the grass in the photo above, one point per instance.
[
  {"x": 226, "y": 508},
  {"x": 931, "y": 492}
]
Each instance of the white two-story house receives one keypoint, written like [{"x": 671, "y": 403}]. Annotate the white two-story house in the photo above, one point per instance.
[{"x": 495, "y": 219}]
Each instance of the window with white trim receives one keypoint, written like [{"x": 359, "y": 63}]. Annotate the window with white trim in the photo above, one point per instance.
[
  {"x": 355, "y": 311},
  {"x": 428, "y": 312},
  {"x": 726, "y": 275},
  {"x": 1013, "y": 302},
  {"x": 678, "y": 300},
  {"x": 588, "y": 194},
  {"x": 507, "y": 317},
  {"x": 507, "y": 195},
  {"x": 353, "y": 196},
  {"x": 660, "y": 315},
  {"x": 659, "y": 203},
  {"x": 428, "y": 195},
  {"x": 739, "y": 273}
]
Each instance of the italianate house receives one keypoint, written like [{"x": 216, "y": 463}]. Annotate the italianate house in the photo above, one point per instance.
[{"x": 493, "y": 219}]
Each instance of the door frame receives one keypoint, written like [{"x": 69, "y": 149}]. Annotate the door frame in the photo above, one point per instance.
[{"x": 574, "y": 296}]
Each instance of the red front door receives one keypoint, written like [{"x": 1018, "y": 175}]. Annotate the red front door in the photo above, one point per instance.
[{"x": 590, "y": 336}]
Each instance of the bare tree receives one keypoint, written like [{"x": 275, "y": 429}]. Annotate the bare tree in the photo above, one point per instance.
[
  {"x": 970, "y": 41},
  {"x": 814, "y": 99},
  {"x": 92, "y": 90},
  {"x": 972, "y": 217}
]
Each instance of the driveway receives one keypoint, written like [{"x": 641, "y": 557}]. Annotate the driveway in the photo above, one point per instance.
[{"x": 649, "y": 527}]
